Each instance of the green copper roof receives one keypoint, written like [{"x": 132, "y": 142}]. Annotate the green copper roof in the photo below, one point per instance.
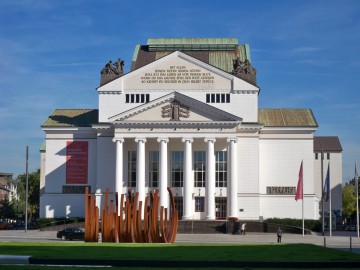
[
  {"x": 72, "y": 118},
  {"x": 287, "y": 118},
  {"x": 218, "y": 52},
  {"x": 192, "y": 41}
]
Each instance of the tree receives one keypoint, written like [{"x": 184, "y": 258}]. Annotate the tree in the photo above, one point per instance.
[
  {"x": 349, "y": 200},
  {"x": 33, "y": 193}
]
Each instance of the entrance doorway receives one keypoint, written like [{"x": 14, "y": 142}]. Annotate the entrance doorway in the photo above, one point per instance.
[{"x": 220, "y": 207}]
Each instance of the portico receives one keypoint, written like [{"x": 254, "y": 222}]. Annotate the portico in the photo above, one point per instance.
[{"x": 187, "y": 188}]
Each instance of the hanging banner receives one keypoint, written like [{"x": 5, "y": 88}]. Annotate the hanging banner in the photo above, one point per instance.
[{"x": 76, "y": 162}]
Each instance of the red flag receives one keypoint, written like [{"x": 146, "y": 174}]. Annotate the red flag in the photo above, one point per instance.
[{"x": 299, "y": 190}]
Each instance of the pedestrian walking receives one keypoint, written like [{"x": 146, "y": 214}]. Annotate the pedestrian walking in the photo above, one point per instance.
[
  {"x": 243, "y": 229},
  {"x": 279, "y": 235}
]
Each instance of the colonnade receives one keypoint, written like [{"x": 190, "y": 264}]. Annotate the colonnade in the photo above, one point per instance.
[{"x": 188, "y": 182}]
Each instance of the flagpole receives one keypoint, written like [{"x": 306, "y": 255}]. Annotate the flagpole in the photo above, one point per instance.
[
  {"x": 357, "y": 200},
  {"x": 322, "y": 191},
  {"x": 302, "y": 203},
  {"x": 330, "y": 210}
]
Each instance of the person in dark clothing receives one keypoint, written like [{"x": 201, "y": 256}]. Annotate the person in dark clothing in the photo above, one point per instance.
[{"x": 279, "y": 235}]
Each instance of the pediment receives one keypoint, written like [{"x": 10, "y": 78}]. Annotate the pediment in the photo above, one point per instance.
[
  {"x": 175, "y": 107},
  {"x": 178, "y": 72}
]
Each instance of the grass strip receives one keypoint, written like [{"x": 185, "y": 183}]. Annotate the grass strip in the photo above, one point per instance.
[{"x": 202, "y": 252}]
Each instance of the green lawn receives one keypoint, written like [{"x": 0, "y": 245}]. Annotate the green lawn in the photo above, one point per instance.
[
  {"x": 178, "y": 252},
  {"x": 234, "y": 252}
]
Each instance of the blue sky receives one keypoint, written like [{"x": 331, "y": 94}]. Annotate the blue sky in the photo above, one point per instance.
[{"x": 307, "y": 55}]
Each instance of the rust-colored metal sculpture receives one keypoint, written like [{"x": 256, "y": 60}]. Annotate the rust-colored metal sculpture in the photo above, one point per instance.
[{"x": 132, "y": 220}]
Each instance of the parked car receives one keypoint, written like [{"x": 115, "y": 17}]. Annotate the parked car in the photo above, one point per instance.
[{"x": 71, "y": 233}]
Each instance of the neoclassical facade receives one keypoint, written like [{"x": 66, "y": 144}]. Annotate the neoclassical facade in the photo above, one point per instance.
[{"x": 185, "y": 116}]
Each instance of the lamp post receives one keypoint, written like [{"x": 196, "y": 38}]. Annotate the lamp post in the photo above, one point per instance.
[{"x": 322, "y": 190}]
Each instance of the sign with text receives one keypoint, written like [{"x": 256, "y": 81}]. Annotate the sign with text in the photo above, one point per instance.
[{"x": 77, "y": 162}]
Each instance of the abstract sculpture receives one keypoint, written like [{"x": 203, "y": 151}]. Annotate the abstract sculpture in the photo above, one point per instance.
[{"x": 124, "y": 223}]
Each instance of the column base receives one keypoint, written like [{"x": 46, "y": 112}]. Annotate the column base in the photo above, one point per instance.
[{"x": 210, "y": 218}]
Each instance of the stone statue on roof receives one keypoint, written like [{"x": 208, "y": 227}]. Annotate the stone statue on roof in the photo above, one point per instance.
[
  {"x": 244, "y": 70},
  {"x": 112, "y": 71}
]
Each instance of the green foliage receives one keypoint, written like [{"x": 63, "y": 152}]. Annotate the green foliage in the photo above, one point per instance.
[
  {"x": 47, "y": 222},
  {"x": 310, "y": 224},
  {"x": 33, "y": 193},
  {"x": 349, "y": 200},
  {"x": 7, "y": 210}
]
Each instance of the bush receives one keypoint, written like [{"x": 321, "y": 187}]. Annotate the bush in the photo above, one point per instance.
[
  {"x": 310, "y": 224},
  {"x": 47, "y": 222}
]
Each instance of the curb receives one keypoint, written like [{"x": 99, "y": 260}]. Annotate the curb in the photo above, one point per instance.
[{"x": 13, "y": 259}]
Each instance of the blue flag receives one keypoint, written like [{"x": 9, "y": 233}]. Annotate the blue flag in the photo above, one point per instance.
[{"x": 326, "y": 190}]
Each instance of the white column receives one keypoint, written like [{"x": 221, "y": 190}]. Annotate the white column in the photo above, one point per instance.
[
  {"x": 188, "y": 180},
  {"x": 120, "y": 187},
  {"x": 140, "y": 168},
  {"x": 232, "y": 185},
  {"x": 163, "y": 168},
  {"x": 210, "y": 179}
]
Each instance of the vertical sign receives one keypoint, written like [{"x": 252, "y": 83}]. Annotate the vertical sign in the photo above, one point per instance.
[{"x": 76, "y": 162}]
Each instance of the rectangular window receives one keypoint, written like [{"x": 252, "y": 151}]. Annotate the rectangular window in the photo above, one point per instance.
[
  {"x": 227, "y": 98},
  {"x": 222, "y": 98},
  {"x": 177, "y": 162},
  {"x": 217, "y": 98},
  {"x": 132, "y": 98},
  {"x": 199, "y": 204},
  {"x": 221, "y": 168},
  {"x": 127, "y": 98},
  {"x": 179, "y": 206},
  {"x": 316, "y": 156},
  {"x": 199, "y": 168},
  {"x": 220, "y": 205},
  {"x": 132, "y": 169},
  {"x": 212, "y": 98},
  {"x": 153, "y": 168},
  {"x": 207, "y": 98},
  {"x": 328, "y": 156},
  {"x": 147, "y": 98},
  {"x": 142, "y": 98},
  {"x": 137, "y": 98}
]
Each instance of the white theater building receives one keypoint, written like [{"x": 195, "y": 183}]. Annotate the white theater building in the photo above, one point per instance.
[{"x": 185, "y": 116}]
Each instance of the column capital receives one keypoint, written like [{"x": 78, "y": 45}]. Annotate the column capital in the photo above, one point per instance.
[
  {"x": 209, "y": 140},
  {"x": 118, "y": 140},
  {"x": 163, "y": 139},
  {"x": 191, "y": 140},
  {"x": 140, "y": 139},
  {"x": 231, "y": 139}
]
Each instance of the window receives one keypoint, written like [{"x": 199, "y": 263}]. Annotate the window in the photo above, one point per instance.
[
  {"x": 199, "y": 168},
  {"x": 316, "y": 155},
  {"x": 132, "y": 169},
  {"x": 220, "y": 205},
  {"x": 177, "y": 161},
  {"x": 328, "y": 156},
  {"x": 221, "y": 168},
  {"x": 153, "y": 168},
  {"x": 137, "y": 98},
  {"x": 179, "y": 206},
  {"x": 217, "y": 98},
  {"x": 199, "y": 204}
]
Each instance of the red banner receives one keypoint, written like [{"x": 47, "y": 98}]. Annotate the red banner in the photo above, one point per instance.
[{"x": 77, "y": 162}]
